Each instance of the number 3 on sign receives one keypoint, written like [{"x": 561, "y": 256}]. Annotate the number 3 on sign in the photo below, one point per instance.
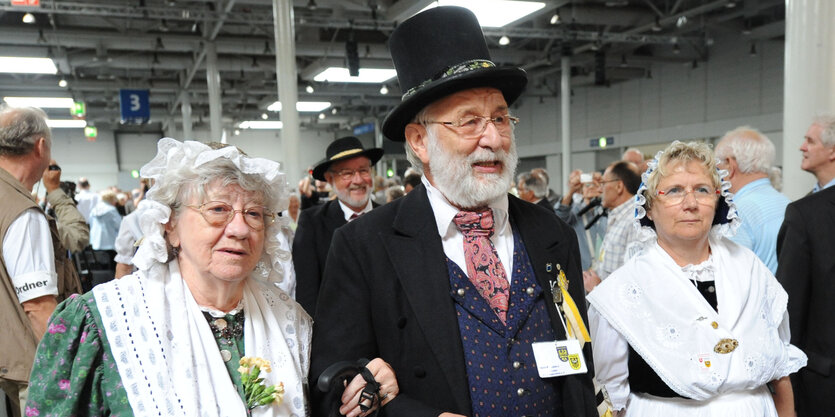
[{"x": 134, "y": 102}]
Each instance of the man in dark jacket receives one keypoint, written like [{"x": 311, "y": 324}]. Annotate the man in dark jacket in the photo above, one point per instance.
[
  {"x": 451, "y": 285},
  {"x": 347, "y": 168}
]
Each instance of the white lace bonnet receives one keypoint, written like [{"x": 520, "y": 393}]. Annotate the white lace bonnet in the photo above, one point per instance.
[{"x": 172, "y": 158}]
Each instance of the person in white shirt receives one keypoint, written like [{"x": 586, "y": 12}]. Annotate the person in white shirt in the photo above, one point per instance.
[
  {"x": 85, "y": 198},
  {"x": 34, "y": 270}
]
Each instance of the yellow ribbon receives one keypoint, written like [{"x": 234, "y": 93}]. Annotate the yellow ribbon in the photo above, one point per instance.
[{"x": 572, "y": 314}]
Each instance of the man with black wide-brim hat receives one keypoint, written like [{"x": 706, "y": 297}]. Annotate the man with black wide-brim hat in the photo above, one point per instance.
[
  {"x": 451, "y": 284},
  {"x": 347, "y": 168}
]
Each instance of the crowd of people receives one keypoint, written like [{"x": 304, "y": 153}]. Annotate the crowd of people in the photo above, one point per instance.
[{"x": 677, "y": 284}]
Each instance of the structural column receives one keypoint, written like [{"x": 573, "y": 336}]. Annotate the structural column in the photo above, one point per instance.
[
  {"x": 809, "y": 85},
  {"x": 186, "y": 108},
  {"x": 213, "y": 84},
  {"x": 285, "y": 64},
  {"x": 565, "y": 119}
]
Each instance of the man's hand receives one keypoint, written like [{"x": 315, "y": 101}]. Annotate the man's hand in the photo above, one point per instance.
[
  {"x": 51, "y": 178},
  {"x": 384, "y": 376},
  {"x": 590, "y": 280},
  {"x": 304, "y": 187},
  {"x": 38, "y": 310}
]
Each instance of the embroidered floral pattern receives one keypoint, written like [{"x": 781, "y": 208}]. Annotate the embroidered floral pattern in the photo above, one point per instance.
[{"x": 453, "y": 70}]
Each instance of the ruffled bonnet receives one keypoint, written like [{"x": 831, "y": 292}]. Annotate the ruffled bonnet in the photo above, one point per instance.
[
  {"x": 173, "y": 157},
  {"x": 725, "y": 222}
]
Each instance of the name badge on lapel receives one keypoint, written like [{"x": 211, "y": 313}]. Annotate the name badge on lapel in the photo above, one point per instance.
[
  {"x": 559, "y": 358},
  {"x": 562, "y": 357}
]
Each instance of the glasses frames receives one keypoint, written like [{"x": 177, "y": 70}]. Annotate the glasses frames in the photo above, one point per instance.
[
  {"x": 348, "y": 174},
  {"x": 473, "y": 126},
  {"x": 219, "y": 214},
  {"x": 676, "y": 195}
]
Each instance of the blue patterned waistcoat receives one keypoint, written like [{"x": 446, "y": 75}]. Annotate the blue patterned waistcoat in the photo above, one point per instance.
[{"x": 500, "y": 363}]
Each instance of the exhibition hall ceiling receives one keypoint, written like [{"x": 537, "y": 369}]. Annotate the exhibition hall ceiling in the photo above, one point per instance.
[{"x": 100, "y": 47}]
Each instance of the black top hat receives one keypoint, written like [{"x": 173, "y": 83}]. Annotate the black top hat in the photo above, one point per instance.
[
  {"x": 345, "y": 148},
  {"x": 439, "y": 52}
]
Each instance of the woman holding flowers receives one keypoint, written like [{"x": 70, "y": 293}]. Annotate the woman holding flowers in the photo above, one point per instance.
[
  {"x": 201, "y": 329},
  {"x": 694, "y": 324}
]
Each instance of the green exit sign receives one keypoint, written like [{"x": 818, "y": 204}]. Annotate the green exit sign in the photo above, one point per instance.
[
  {"x": 602, "y": 142},
  {"x": 78, "y": 110},
  {"x": 91, "y": 131}
]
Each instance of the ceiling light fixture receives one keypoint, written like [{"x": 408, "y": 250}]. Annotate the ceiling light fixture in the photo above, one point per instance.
[
  {"x": 730, "y": 4},
  {"x": 504, "y": 40},
  {"x": 494, "y": 13},
  {"x": 617, "y": 3},
  {"x": 303, "y": 106},
  {"x": 159, "y": 44},
  {"x": 384, "y": 90},
  {"x": 623, "y": 60},
  {"x": 681, "y": 21},
  {"x": 311, "y": 5},
  {"x": 265, "y": 116},
  {"x": 366, "y": 75},
  {"x": 62, "y": 83},
  {"x": 261, "y": 124},
  {"x": 555, "y": 18},
  {"x": 237, "y": 132},
  {"x": 321, "y": 116},
  {"x": 676, "y": 49},
  {"x": 48, "y": 102},
  {"x": 68, "y": 124},
  {"x": 28, "y": 18},
  {"x": 309, "y": 89},
  {"x": 12, "y": 64},
  {"x": 753, "y": 50},
  {"x": 334, "y": 110}
]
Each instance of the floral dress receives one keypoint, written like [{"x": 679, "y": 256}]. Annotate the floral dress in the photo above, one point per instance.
[{"x": 75, "y": 374}]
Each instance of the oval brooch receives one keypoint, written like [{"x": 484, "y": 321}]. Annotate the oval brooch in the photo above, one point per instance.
[{"x": 726, "y": 346}]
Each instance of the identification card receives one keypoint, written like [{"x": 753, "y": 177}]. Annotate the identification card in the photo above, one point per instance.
[{"x": 559, "y": 358}]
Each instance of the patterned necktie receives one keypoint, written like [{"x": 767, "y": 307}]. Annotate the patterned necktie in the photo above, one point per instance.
[
  {"x": 354, "y": 216},
  {"x": 484, "y": 267}
]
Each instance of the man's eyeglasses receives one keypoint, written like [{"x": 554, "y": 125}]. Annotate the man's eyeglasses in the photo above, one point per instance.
[
  {"x": 676, "y": 195},
  {"x": 348, "y": 174},
  {"x": 473, "y": 126},
  {"x": 219, "y": 214}
]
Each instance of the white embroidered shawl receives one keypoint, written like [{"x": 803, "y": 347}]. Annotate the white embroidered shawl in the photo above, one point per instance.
[
  {"x": 651, "y": 302},
  {"x": 168, "y": 358}
]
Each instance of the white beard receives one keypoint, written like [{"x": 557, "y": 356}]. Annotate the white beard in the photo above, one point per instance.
[
  {"x": 345, "y": 196},
  {"x": 454, "y": 177}
]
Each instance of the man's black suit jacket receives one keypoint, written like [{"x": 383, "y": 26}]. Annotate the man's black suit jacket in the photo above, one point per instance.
[
  {"x": 386, "y": 294},
  {"x": 546, "y": 205},
  {"x": 806, "y": 268},
  {"x": 310, "y": 249}
]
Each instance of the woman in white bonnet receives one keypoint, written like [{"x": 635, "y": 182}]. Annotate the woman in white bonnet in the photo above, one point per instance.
[
  {"x": 169, "y": 338},
  {"x": 694, "y": 324}
]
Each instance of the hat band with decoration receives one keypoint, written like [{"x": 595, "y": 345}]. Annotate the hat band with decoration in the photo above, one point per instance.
[
  {"x": 467, "y": 66},
  {"x": 345, "y": 153}
]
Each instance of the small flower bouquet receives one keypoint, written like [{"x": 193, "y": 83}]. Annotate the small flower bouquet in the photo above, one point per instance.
[{"x": 256, "y": 393}]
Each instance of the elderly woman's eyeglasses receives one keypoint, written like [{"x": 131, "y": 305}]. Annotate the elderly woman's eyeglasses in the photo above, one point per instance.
[
  {"x": 473, "y": 126},
  {"x": 676, "y": 195},
  {"x": 219, "y": 214}
]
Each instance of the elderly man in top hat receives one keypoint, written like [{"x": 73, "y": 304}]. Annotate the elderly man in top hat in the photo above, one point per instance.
[
  {"x": 347, "y": 168},
  {"x": 452, "y": 284}
]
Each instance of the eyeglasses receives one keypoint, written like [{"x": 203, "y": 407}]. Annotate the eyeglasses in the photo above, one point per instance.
[
  {"x": 219, "y": 214},
  {"x": 348, "y": 174},
  {"x": 675, "y": 195},
  {"x": 605, "y": 181},
  {"x": 473, "y": 126}
]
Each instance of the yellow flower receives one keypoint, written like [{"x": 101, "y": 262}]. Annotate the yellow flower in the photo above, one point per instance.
[{"x": 243, "y": 370}]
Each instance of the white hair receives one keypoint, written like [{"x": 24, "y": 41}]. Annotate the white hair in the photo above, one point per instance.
[
  {"x": 827, "y": 123},
  {"x": 752, "y": 150}
]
